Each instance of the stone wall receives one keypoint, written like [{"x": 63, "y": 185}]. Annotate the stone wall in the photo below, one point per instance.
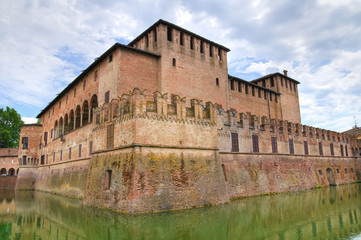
[
  {"x": 257, "y": 174},
  {"x": 8, "y": 181},
  {"x": 143, "y": 179}
]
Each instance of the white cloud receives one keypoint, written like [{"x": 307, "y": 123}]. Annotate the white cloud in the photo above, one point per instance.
[
  {"x": 28, "y": 120},
  {"x": 44, "y": 44}
]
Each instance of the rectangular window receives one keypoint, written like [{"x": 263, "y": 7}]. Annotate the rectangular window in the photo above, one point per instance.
[
  {"x": 84, "y": 84},
  {"x": 25, "y": 142},
  {"x": 263, "y": 83},
  {"x": 24, "y": 160},
  {"x": 253, "y": 91},
  {"x": 239, "y": 86},
  {"x": 110, "y": 136},
  {"x": 90, "y": 147},
  {"x": 224, "y": 172},
  {"x": 192, "y": 43},
  {"x": 66, "y": 99},
  {"x": 217, "y": 81},
  {"x": 110, "y": 58},
  {"x": 219, "y": 54},
  {"x": 169, "y": 33},
  {"x": 45, "y": 138},
  {"x": 79, "y": 153},
  {"x": 95, "y": 75},
  {"x": 331, "y": 150},
  {"x": 290, "y": 85},
  {"x": 246, "y": 89},
  {"x": 155, "y": 34},
  {"x": 286, "y": 82},
  {"x": 146, "y": 40},
  {"x": 255, "y": 143},
  {"x": 265, "y": 95},
  {"x": 53, "y": 156},
  {"x": 232, "y": 84},
  {"x": 202, "y": 47},
  {"x": 107, "y": 94},
  {"x": 346, "y": 150},
  {"x": 51, "y": 133},
  {"x": 259, "y": 93},
  {"x": 272, "y": 82},
  {"x": 291, "y": 147},
  {"x": 107, "y": 179},
  {"x": 210, "y": 50},
  {"x": 47, "y": 158},
  {"x": 274, "y": 145},
  {"x": 74, "y": 92},
  {"x": 235, "y": 144},
  {"x": 341, "y": 149},
  {"x": 270, "y": 96},
  {"x": 69, "y": 153},
  {"x": 320, "y": 148},
  {"x": 61, "y": 155},
  {"x": 42, "y": 159},
  {"x": 305, "y": 145},
  {"x": 181, "y": 39}
]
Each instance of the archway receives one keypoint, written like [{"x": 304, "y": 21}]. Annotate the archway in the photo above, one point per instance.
[
  {"x": 3, "y": 171},
  {"x": 77, "y": 115},
  {"x": 71, "y": 122},
  {"x": 11, "y": 171},
  {"x": 93, "y": 105},
  {"x": 85, "y": 113},
  {"x": 330, "y": 177}
]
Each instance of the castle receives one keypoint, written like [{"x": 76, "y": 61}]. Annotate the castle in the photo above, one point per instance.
[{"x": 159, "y": 124}]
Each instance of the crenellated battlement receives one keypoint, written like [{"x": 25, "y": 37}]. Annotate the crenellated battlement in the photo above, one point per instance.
[{"x": 158, "y": 106}]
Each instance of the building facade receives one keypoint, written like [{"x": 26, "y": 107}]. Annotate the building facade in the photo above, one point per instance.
[{"x": 159, "y": 124}]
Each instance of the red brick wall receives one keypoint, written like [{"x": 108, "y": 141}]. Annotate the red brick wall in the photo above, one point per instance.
[{"x": 8, "y": 181}]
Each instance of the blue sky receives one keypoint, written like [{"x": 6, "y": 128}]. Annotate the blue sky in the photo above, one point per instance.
[{"x": 44, "y": 45}]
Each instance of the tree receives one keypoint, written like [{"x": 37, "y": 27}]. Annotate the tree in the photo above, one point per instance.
[{"x": 10, "y": 123}]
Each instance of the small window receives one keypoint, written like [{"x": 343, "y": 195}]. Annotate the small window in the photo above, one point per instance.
[
  {"x": 146, "y": 40},
  {"x": 255, "y": 143},
  {"x": 331, "y": 150},
  {"x": 305, "y": 145},
  {"x": 276, "y": 98},
  {"x": 320, "y": 172},
  {"x": 53, "y": 156},
  {"x": 341, "y": 149},
  {"x": 253, "y": 91},
  {"x": 66, "y": 99},
  {"x": 352, "y": 170},
  {"x": 95, "y": 75},
  {"x": 338, "y": 171},
  {"x": 174, "y": 62},
  {"x": 286, "y": 82},
  {"x": 217, "y": 81},
  {"x": 274, "y": 145},
  {"x": 69, "y": 153},
  {"x": 239, "y": 86},
  {"x": 74, "y": 92},
  {"x": 219, "y": 54},
  {"x": 259, "y": 93},
  {"x": 291, "y": 146},
  {"x": 232, "y": 84},
  {"x": 111, "y": 58},
  {"x": 224, "y": 172},
  {"x": 59, "y": 104},
  {"x": 272, "y": 82},
  {"x": 84, "y": 84},
  {"x": 246, "y": 89},
  {"x": 210, "y": 50},
  {"x": 25, "y": 142},
  {"x": 320, "y": 148},
  {"x": 169, "y": 34},
  {"x": 107, "y": 179},
  {"x": 270, "y": 96},
  {"x": 181, "y": 39},
  {"x": 202, "y": 47},
  {"x": 61, "y": 155},
  {"x": 290, "y": 85},
  {"x": 265, "y": 95},
  {"x": 107, "y": 95},
  {"x": 192, "y": 43},
  {"x": 47, "y": 158},
  {"x": 155, "y": 34},
  {"x": 346, "y": 170},
  {"x": 79, "y": 153},
  {"x": 90, "y": 147},
  {"x": 263, "y": 83},
  {"x": 235, "y": 143}
]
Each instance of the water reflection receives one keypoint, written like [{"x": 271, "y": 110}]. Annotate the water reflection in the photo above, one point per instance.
[{"x": 331, "y": 213}]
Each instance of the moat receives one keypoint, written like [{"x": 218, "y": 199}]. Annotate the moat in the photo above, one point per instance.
[{"x": 326, "y": 213}]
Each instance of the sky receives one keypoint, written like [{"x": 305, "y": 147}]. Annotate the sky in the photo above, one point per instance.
[{"x": 45, "y": 44}]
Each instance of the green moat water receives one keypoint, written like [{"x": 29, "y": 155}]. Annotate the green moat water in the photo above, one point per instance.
[{"x": 327, "y": 213}]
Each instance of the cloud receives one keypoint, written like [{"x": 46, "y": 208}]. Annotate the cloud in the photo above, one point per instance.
[
  {"x": 45, "y": 45},
  {"x": 29, "y": 120}
]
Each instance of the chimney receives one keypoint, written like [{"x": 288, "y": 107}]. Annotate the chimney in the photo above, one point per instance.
[{"x": 285, "y": 72}]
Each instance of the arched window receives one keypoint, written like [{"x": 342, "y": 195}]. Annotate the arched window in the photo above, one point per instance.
[
  {"x": 85, "y": 113},
  {"x": 56, "y": 129},
  {"x": 77, "y": 115},
  {"x": 93, "y": 105},
  {"x": 61, "y": 129},
  {"x": 66, "y": 124},
  {"x": 71, "y": 120},
  {"x": 11, "y": 171},
  {"x": 3, "y": 171}
]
